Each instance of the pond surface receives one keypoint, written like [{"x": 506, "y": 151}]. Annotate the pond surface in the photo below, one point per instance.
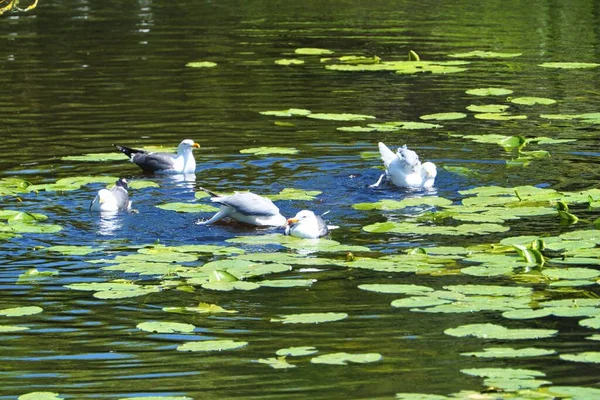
[{"x": 458, "y": 262}]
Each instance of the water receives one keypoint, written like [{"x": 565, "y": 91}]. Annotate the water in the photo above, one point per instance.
[{"x": 78, "y": 76}]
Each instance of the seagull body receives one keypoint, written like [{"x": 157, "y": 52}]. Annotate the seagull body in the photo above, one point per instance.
[
  {"x": 181, "y": 163},
  {"x": 114, "y": 199},
  {"x": 248, "y": 208},
  {"x": 306, "y": 225},
  {"x": 404, "y": 168}
]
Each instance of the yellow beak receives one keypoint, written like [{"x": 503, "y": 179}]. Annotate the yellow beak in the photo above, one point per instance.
[{"x": 196, "y": 146}]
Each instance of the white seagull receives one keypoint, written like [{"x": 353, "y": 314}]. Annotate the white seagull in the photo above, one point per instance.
[
  {"x": 112, "y": 200},
  {"x": 404, "y": 169},
  {"x": 181, "y": 163},
  {"x": 307, "y": 225},
  {"x": 246, "y": 207}
]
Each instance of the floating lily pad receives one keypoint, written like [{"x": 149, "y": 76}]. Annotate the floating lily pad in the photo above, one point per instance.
[
  {"x": 586, "y": 357},
  {"x": 340, "y": 117},
  {"x": 508, "y": 373},
  {"x": 344, "y": 358},
  {"x": 313, "y": 51},
  {"x": 187, "y": 207},
  {"x": 201, "y": 64},
  {"x": 413, "y": 229},
  {"x": 33, "y": 275},
  {"x": 574, "y": 392},
  {"x": 489, "y": 92},
  {"x": 13, "y": 186},
  {"x": 443, "y": 116},
  {"x": 71, "y": 183},
  {"x": 287, "y": 283},
  {"x": 310, "y": 318},
  {"x": 202, "y": 308},
  {"x": 488, "y": 108},
  {"x": 212, "y": 345},
  {"x": 509, "y": 352},
  {"x": 114, "y": 290},
  {"x": 290, "y": 112},
  {"x": 259, "y": 151},
  {"x": 165, "y": 327},
  {"x": 529, "y": 101},
  {"x": 571, "y": 273},
  {"x": 484, "y": 54},
  {"x": 406, "y": 125},
  {"x": 297, "y": 351},
  {"x": 593, "y": 323},
  {"x": 496, "y": 116},
  {"x": 419, "y": 302},
  {"x": 568, "y": 65},
  {"x": 395, "y": 288},
  {"x": 404, "y": 67},
  {"x": 96, "y": 157},
  {"x": 276, "y": 362},
  {"x": 389, "y": 204},
  {"x": 40, "y": 396},
  {"x": 21, "y": 311},
  {"x": 289, "y": 61},
  {"x": 492, "y": 331},
  {"x": 72, "y": 250},
  {"x": 420, "y": 396},
  {"x": 295, "y": 194},
  {"x": 12, "y": 328}
]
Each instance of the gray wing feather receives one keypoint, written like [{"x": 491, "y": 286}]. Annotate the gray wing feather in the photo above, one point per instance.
[
  {"x": 153, "y": 161},
  {"x": 248, "y": 204},
  {"x": 122, "y": 197},
  {"x": 323, "y": 229}
]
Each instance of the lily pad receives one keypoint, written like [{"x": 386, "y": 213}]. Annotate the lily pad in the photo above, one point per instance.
[
  {"x": 12, "y": 328},
  {"x": 340, "y": 117},
  {"x": 443, "y": 116},
  {"x": 492, "y": 331},
  {"x": 529, "y": 101},
  {"x": 165, "y": 327},
  {"x": 574, "y": 392},
  {"x": 289, "y": 61},
  {"x": 202, "y": 308},
  {"x": 396, "y": 288},
  {"x": 72, "y": 250},
  {"x": 489, "y": 92},
  {"x": 509, "y": 352},
  {"x": 40, "y": 396},
  {"x": 488, "y": 108},
  {"x": 484, "y": 54},
  {"x": 259, "y": 151},
  {"x": 344, "y": 358},
  {"x": 295, "y": 194},
  {"x": 201, "y": 64},
  {"x": 21, "y": 311},
  {"x": 310, "y": 318},
  {"x": 313, "y": 51},
  {"x": 586, "y": 357},
  {"x": 187, "y": 207},
  {"x": 276, "y": 362},
  {"x": 297, "y": 351},
  {"x": 212, "y": 345},
  {"x": 568, "y": 65},
  {"x": 290, "y": 112},
  {"x": 96, "y": 157}
]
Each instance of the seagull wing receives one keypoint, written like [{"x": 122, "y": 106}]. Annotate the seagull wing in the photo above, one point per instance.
[
  {"x": 152, "y": 162},
  {"x": 248, "y": 204},
  {"x": 121, "y": 196}
]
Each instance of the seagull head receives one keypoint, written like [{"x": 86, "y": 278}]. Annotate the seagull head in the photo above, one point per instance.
[
  {"x": 122, "y": 182},
  {"x": 187, "y": 145},
  {"x": 428, "y": 172},
  {"x": 303, "y": 215}
]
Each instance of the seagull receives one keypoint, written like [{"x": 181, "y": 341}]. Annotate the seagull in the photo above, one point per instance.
[
  {"x": 114, "y": 199},
  {"x": 181, "y": 163},
  {"x": 404, "y": 168},
  {"x": 246, "y": 207},
  {"x": 307, "y": 225}
]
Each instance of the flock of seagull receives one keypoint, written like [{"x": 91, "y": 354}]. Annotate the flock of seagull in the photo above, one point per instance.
[{"x": 402, "y": 168}]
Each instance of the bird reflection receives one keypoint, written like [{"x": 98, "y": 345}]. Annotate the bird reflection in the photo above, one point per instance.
[{"x": 109, "y": 224}]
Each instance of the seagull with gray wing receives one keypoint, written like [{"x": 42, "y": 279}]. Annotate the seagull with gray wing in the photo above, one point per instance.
[
  {"x": 112, "y": 200},
  {"x": 246, "y": 207},
  {"x": 307, "y": 225},
  {"x": 181, "y": 163},
  {"x": 404, "y": 168}
]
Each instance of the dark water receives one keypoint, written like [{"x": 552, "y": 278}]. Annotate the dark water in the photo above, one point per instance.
[{"x": 77, "y": 76}]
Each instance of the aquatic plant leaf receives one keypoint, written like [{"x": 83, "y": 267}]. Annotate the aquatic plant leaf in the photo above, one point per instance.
[
  {"x": 389, "y": 204},
  {"x": 13, "y": 186},
  {"x": 287, "y": 283},
  {"x": 492, "y": 331},
  {"x": 290, "y": 112},
  {"x": 194, "y": 248},
  {"x": 340, "y": 117},
  {"x": 289, "y": 61},
  {"x": 122, "y": 294},
  {"x": 507, "y": 373},
  {"x": 295, "y": 194},
  {"x": 202, "y": 308},
  {"x": 165, "y": 327},
  {"x": 201, "y": 64},
  {"x": 489, "y": 92},
  {"x": 229, "y": 286},
  {"x": 312, "y": 51},
  {"x": 490, "y": 290},
  {"x": 418, "y": 302},
  {"x": 20, "y": 311},
  {"x": 142, "y": 184},
  {"x": 355, "y": 129},
  {"x": 512, "y": 384},
  {"x": 527, "y": 313},
  {"x": 33, "y": 275},
  {"x": 114, "y": 290},
  {"x": 40, "y": 396},
  {"x": 71, "y": 183},
  {"x": 297, "y": 351},
  {"x": 571, "y": 273},
  {"x": 212, "y": 345},
  {"x": 509, "y": 352},
  {"x": 498, "y": 116},
  {"x": 421, "y": 396},
  {"x": 12, "y": 328},
  {"x": 568, "y": 65},
  {"x": 96, "y": 157},
  {"x": 593, "y": 337},
  {"x": 484, "y": 54},
  {"x": 187, "y": 207},
  {"x": 259, "y": 151},
  {"x": 396, "y": 288},
  {"x": 488, "y": 108},
  {"x": 492, "y": 270},
  {"x": 408, "y": 228},
  {"x": 587, "y": 357},
  {"x": 310, "y": 318},
  {"x": 593, "y": 323},
  {"x": 344, "y": 358},
  {"x": 276, "y": 362},
  {"x": 443, "y": 116},
  {"x": 574, "y": 392},
  {"x": 529, "y": 101},
  {"x": 156, "y": 255},
  {"x": 72, "y": 250},
  {"x": 407, "y": 125}
]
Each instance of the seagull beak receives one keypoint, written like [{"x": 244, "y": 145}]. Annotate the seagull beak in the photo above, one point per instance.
[
  {"x": 292, "y": 221},
  {"x": 196, "y": 146}
]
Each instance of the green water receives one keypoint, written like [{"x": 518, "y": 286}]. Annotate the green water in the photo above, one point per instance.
[{"x": 77, "y": 77}]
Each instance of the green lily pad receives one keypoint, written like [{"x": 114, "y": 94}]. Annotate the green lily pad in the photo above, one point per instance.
[
  {"x": 489, "y": 92},
  {"x": 586, "y": 357},
  {"x": 571, "y": 273},
  {"x": 229, "y": 286},
  {"x": 72, "y": 250},
  {"x": 259, "y": 151},
  {"x": 529, "y": 101},
  {"x": 13, "y": 186},
  {"x": 404, "y": 67},
  {"x": 118, "y": 289},
  {"x": 165, "y": 327},
  {"x": 488, "y": 108},
  {"x": 34, "y": 275},
  {"x": 187, "y": 207},
  {"x": 310, "y": 318},
  {"x": 12, "y": 328},
  {"x": 212, "y": 345},
  {"x": 344, "y": 358},
  {"x": 276, "y": 362},
  {"x": 389, "y": 204},
  {"x": 509, "y": 352},
  {"x": 340, "y": 117},
  {"x": 568, "y": 65},
  {"x": 289, "y": 61},
  {"x": 419, "y": 302},
  {"x": 593, "y": 323},
  {"x": 490, "y": 290},
  {"x": 201, "y": 64},
  {"x": 20, "y": 311},
  {"x": 420, "y": 396},
  {"x": 96, "y": 157},
  {"x": 297, "y": 351},
  {"x": 574, "y": 392},
  {"x": 492, "y": 331},
  {"x": 508, "y": 373},
  {"x": 312, "y": 51},
  {"x": 527, "y": 313},
  {"x": 396, "y": 288},
  {"x": 443, "y": 116},
  {"x": 40, "y": 396},
  {"x": 295, "y": 194},
  {"x": 71, "y": 183},
  {"x": 408, "y": 228},
  {"x": 406, "y": 125},
  {"x": 494, "y": 116},
  {"x": 202, "y": 308},
  {"x": 290, "y": 112},
  {"x": 484, "y": 54},
  {"x": 287, "y": 283}
]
